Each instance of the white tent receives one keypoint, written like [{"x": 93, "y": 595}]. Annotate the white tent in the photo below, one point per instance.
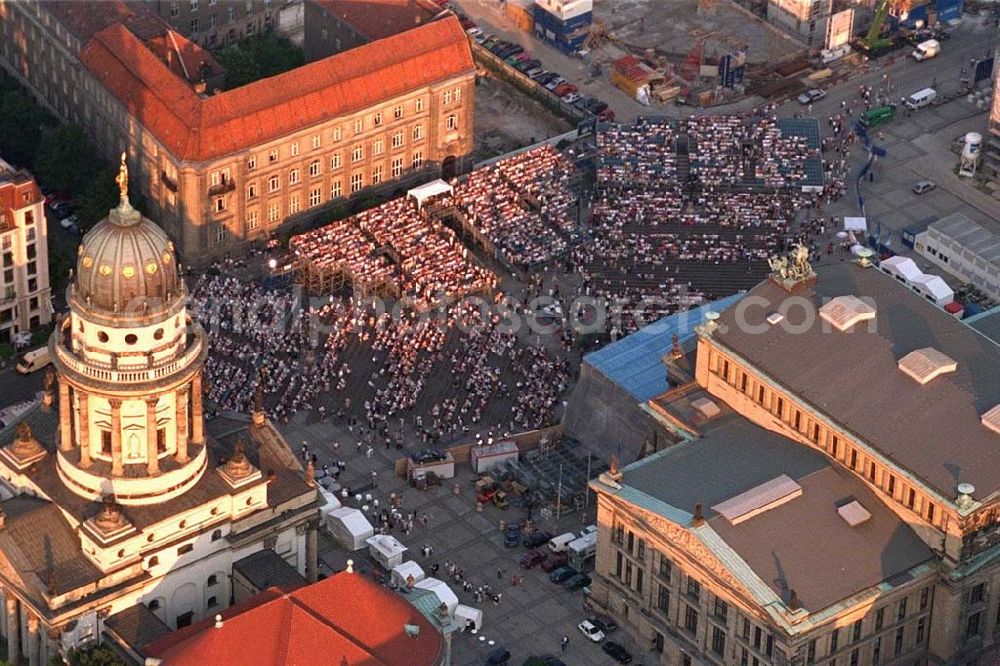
[
  {"x": 386, "y": 550},
  {"x": 933, "y": 287},
  {"x": 902, "y": 267},
  {"x": 428, "y": 190},
  {"x": 441, "y": 591},
  {"x": 349, "y": 527},
  {"x": 855, "y": 224},
  {"x": 404, "y": 570},
  {"x": 330, "y": 501},
  {"x": 467, "y": 614}
]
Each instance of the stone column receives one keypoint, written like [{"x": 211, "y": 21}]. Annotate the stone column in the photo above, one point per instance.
[
  {"x": 83, "y": 428},
  {"x": 13, "y": 630},
  {"x": 152, "y": 458},
  {"x": 51, "y": 645},
  {"x": 311, "y": 552},
  {"x": 34, "y": 646},
  {"x": 197, "y": 413},
  {"x": 182, "y": 425},
  {"x": 117, "y": 468},
  {"x": 65, "y": 422}
]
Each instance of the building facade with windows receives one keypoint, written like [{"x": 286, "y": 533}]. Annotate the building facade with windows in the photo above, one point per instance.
[
  {"x": 25, "y": 297},
  {"x": 115, "y": 495},
  {"x": 806, "y": 19},
  {"x": 833, "y": 499},
  {"x": 214, "y": 23},
  {"x": 223, "y": 170},
  {"x": 991, "y": 152}
]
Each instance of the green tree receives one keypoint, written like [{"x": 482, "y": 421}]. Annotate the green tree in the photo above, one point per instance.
[
  {"x": 258, "y": 57},
  {"x": 98, "y": 197},
  {"x": 97, "y": 655},
  {"x": 20, "y": 128},
  {"x": 65, "y": 161},
  {"x": 240, "y": 66}
]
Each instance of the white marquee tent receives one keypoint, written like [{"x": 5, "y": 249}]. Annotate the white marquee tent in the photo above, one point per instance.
[
  {"x": 428, "y": 190},
  {"x": 441, "y": 591},
  {"x": 349, "y": 527},
  {"x": 402, "y": 571}
]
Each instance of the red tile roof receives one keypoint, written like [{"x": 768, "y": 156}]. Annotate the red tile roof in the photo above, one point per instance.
[
  {"x": 345, "y": 620},
  {"x": 196, "y": 128},
  {"x": 378, "y": 19}
]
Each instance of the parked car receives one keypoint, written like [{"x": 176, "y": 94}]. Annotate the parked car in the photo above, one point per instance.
[
  {"x": 555, "y": 83},
  {"x": 570, "y": 98},
  {"x": 536, "y": 539},
  {"x": 499, "y": 656},
  {"x": 474, "y": 32},
  {"x": 533, "y": 72},
  {"x": 583, "y": 102},
  {"x": 552, "y": 660},
  {"x": 607, "y": 116},
  {"x": 604, "y": 623},
  {"x": 545, "y": 78},
  {"x": 811, "y": 95},
  {"x": 554, "y": 561},
  {"x": 562, "y": 574},
  {"x": 617, "y": 652},
  {"x": 924, "y": 186},
  {"x": 576, "y": 582},
  {"x": 511, "y": 535},
  {"x": 71, "y": 224},
  {"x": 481, "y": 37},
  {"x": 427, "y": 455},
  {"x": 597, "y": 107},
  {"x": 591, "y": 631},
  {"x": 61, "y": 208},
  {"x": 509, "y": 50},
  {"x": 532, "y": 558},
  {"x": 564, "y": 89}
]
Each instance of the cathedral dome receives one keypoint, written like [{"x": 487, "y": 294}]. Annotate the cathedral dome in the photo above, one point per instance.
[{"x": 126, "y": 261}]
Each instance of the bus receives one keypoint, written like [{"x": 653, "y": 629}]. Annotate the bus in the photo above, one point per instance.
[{"x": 878, "y": 116}]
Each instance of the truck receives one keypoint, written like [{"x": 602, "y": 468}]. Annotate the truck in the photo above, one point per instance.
[
  {"x": 926, "y": 50},
  {"x": 878, "y": 116},
  {"x": 921, "y": 98},
  {"x": 33, "y": 360}
]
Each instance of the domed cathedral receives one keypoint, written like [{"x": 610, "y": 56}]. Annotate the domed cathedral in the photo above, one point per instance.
[{"x": 122, "y": 514}]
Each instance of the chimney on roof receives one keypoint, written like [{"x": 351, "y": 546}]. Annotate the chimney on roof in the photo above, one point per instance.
[
  {"x": 200, "y": 87},
  {"x": 793, "y": 601},
  {"x": 218, "y": 622},
  {"x": 698, "y": 517}
]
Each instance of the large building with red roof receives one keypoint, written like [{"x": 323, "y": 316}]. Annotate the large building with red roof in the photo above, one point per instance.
[
  {"x": 222, "y": 169},
  {"x": 24, "y": 262},
  {"x": 346, "y": 619}
]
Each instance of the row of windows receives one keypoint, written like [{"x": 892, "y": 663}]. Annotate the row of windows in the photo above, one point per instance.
[
  {"x": 398, "y": 139},
  {"x": 824, "y": 438},
  {"x": 315, "y": 194}
]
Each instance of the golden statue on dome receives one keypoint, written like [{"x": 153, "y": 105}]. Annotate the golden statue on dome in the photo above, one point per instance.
[{"x": 122, "y": 180}]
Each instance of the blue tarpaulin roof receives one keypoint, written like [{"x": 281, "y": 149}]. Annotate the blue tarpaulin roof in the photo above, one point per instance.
[{"x": 635, "y": 362}]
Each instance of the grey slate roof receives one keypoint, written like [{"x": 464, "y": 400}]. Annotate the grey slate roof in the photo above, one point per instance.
[
  {"x": 37, "y": 539},
  {"x": 137, "y": 626},
  {"x": 987, "y": 323},
  {"x": 266, "y": 568},
  {"x": 803, "y": 544},
  {"x": 934, "y": 431}
]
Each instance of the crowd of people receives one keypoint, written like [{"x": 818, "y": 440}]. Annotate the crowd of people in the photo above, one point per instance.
[
  {"x": 666, "y": 237},
  {"x": 437, "y": 376},
  {"x": 522, "y": 206},
  {"x": 394, "y": 248}
]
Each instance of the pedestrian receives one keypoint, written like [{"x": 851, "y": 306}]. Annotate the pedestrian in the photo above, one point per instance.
[
  {"x": 499, "y": 573},
  {"x": 565, "y": 643}
]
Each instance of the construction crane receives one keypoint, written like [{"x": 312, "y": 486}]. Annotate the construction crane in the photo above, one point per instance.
[{"x": 874, "y": 42}]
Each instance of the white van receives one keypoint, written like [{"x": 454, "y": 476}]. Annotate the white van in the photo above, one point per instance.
[
  {"x": 926, "y": 50},
  {"x": 558, "y": 544},
  {"x": 921, "y": 98},
  {"x": 36, "y": 359}
]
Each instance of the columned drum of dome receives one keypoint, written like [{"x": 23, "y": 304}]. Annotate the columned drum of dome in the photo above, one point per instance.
[{"x": 129, "y": 360}]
